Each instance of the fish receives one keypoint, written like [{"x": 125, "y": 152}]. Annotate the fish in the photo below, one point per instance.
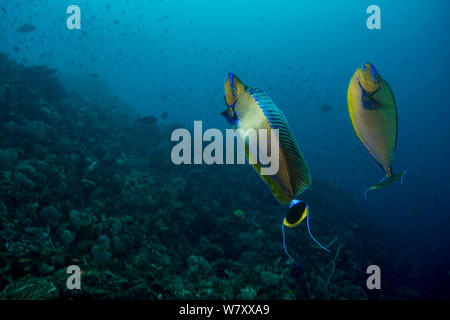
[
  {"x": 27, "y": 27},
  {"x": 325, "y": 108},
  {"x": 251, "y": 108},
  {"x": 148, "y": 120},
  {"x": 373, "y": 113}
]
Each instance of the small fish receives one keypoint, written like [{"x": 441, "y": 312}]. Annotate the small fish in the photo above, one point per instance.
[
  {"x": 325, "y": 108},
  {"x": 163, "y": 18},
  {"x": 27, "y": 27},
  {"x": 164, "y": 115},
  {"x": 148, "y": 120},
  {"x": 373, "y": 112},
  {"x": 251, "y": 108}
]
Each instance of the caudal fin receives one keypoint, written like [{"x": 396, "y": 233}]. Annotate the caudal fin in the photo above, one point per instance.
[
  {"x": 298, "y": 211},
  {"x": 385, "y": 181}
]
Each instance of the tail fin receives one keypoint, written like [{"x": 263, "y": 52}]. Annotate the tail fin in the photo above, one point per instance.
[
  {"x": 298, "y": 211},
  {"x": 284, "y": 243},
  {"x": 385, "y": 181},
  {"x": 317, "y": 242}
]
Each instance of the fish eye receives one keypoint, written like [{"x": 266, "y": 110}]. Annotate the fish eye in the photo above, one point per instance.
[{"x": 234, "y": 91}]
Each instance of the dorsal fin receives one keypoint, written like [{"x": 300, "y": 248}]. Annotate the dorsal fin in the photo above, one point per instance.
[{"x": 298, "y": 169}]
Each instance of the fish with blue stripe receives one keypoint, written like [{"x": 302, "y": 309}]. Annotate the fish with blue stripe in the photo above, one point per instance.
[
  {"x": 373, "y": 112},
  {"x": 251, "y": 108}
]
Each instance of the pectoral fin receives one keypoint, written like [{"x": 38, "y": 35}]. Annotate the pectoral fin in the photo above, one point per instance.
[
  {"x": 370, "y": 103},
  {"x": 227, "y": 116},
  {"x": 367, "y": 99},
  {"x": 230, "y": 115}
]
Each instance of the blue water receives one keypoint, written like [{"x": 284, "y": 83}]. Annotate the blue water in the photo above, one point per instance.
[{"x": 172, "y": 56}]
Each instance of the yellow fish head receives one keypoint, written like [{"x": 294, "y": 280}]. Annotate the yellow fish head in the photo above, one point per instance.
[
  {"x": 368, "y": 78},
  {"x": 233, "y": 89}
]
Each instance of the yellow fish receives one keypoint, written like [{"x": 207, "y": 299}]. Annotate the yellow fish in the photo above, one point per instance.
[
  {"x": 251, "y": 108},
  {"x": 373, "y": 111}
]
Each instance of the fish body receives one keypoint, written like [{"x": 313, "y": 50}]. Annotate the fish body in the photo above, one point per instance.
[
  {"x": 27, "y": 27},
  {"x": 148, "y": 120},
  {"x": 373, "y": 112},
  {"x": 252, "y": 108}
]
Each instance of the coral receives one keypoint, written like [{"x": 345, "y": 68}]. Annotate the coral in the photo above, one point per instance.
[
  {"x": 30, "y": 288},
  {"x": 247, "y": 294},
  {"x": 50, "y": 215},
  {"x": 79, "y": 219},
  {"x": 8, "y": 155},
  {"x": 100, "y": 255},
  {"x": 198, "y": 264},
  {"x": 23, "y": 181},
  {"x": 67, "y": 237},
  {"x": 116, "y": 226},
  {"x": 239, "y": 213},
  {"x": 269, "y": 278}
]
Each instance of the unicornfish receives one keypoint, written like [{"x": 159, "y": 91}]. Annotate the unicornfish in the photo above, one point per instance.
[
  {"x": 373, "y": 112},
  {"x": 251, "y": 108}
]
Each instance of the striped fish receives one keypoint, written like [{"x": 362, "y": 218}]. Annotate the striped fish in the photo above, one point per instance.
[
  {"x": 373, "y": 112},
  {"x": 252, "y": 108}
]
